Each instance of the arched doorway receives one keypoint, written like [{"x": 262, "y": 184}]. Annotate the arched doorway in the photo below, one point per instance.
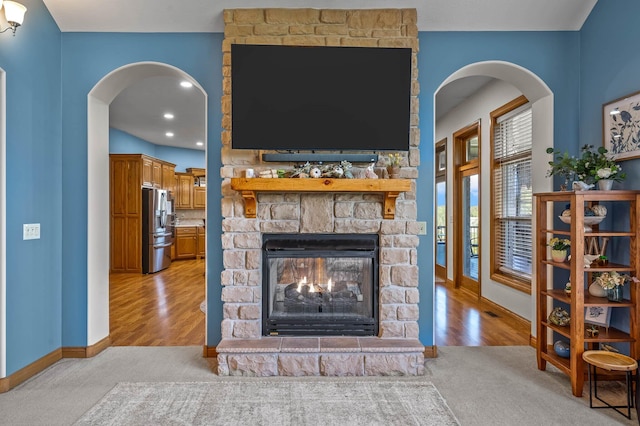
[
  {"x": 98, "y": 102},
  {"x": 541, "y": 100}
]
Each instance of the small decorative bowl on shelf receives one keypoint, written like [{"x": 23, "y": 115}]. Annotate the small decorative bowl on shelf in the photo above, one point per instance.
[{"x": 588, "y": 220}]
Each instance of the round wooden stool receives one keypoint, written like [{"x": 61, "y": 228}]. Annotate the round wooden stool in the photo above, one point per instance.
[{"x": 610, "y": 361}]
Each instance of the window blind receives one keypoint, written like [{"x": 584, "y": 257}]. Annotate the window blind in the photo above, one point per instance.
[{"x": 513, "y": 193}]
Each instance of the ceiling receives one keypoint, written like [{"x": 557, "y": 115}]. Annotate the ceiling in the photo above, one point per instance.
[{"x": 138, "y": 109}]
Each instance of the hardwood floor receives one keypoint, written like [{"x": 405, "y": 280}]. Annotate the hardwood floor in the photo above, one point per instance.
[
  {"x": 161, "y": 309},
  {"x": 462, "y": 320}
]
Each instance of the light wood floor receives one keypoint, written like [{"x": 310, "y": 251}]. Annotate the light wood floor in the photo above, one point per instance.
[
  {"x": 163, "y": 309},
  {"x": 463, "y": 320}
]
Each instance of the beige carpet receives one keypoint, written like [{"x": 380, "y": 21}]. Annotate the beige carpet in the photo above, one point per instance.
[{"x": 268, "y": 402}]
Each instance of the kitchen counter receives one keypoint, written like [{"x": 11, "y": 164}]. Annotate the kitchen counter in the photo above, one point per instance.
[{"x": 189, "y": 222}]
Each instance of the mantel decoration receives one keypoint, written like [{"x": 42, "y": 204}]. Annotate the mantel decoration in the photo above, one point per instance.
[
  {"x": 394, "y": 161},
  {"x": 308, "y": 170},
  {"x": 621, "y": 127},
  {"x": 613, "y": 283},
  {"x": 559, "y": 248}
]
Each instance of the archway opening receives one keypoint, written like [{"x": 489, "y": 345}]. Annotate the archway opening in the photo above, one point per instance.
[
  {"x": 99, "y": 99},
  {"x": 541, "y": 100}
]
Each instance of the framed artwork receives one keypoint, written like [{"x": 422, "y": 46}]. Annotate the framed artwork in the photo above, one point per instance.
[
  {"x": 621, "y": 127},
  {"x": 598, "y": 315}
]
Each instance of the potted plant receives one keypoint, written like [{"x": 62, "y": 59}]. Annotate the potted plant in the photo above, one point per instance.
[
  {"x": 559, "y": 248},
  {"x": 613, "y": 282},
  {"x": 564, "y": 165},
  {"x": 394, "y": 160},
  {"x": 598, "y": 166}
]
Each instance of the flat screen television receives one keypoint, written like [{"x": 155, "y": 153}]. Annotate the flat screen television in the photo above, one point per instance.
[{"x": 299, "y": 98}]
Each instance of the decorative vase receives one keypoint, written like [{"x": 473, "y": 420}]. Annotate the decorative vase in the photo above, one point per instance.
[
  {"x": 562, "y": 348},
  {"x": 605, "y": 184},
  {"x": 596, "y": 290},
  {"x": 394, "y": 172},
  {"x": 615, "y": 294},
  {"x": 558, "y": 255}
]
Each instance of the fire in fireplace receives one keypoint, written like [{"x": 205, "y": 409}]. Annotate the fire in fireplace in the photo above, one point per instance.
[{"x": 320, "y": 284}]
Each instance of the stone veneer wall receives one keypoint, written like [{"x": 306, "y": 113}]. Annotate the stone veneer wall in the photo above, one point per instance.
[{"x": 324, "y": 212}]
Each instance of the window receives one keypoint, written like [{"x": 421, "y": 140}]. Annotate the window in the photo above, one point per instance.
[{"x": 512, "y": 194}]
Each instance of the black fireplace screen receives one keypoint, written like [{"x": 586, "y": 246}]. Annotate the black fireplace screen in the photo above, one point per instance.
[{"x": 320, "y": 284}]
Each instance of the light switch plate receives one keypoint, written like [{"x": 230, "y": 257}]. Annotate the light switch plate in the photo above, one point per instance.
[
  {"x": 31, "y": 231},
  {"x": 422, "y": 230}
]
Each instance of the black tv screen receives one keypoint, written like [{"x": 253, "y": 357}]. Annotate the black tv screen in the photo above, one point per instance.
[{"x": 320, "y": 98}]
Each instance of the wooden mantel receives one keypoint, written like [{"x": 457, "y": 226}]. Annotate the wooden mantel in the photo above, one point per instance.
[{"x": 391, "y": 188}]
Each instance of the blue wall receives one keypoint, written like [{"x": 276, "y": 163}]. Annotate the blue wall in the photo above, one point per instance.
[
  {"x": 609, "y": 63},
  {"x": 184, "y": 158},
  {"x": 552, "y": 56},
  {"x": 124, "y": 143},
  {"x": 31, "y": 61},
  {"x": 87, "y": 58}
]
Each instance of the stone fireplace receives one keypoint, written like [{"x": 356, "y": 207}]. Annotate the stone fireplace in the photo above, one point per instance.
[{"x": 389, "y": 344}]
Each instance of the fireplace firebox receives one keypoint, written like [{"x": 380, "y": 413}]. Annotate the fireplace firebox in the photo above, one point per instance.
[{"x": 320, "y": 284}]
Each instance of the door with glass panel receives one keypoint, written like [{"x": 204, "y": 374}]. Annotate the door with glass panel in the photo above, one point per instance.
[
  {"x": 466, "y": 248},
  {"x": 441, "y": 211}
]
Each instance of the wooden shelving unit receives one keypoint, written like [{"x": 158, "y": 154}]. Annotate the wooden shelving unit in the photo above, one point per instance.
[
  {"x": 581, "y": 278},
  {"x": 390, "y": 188}
]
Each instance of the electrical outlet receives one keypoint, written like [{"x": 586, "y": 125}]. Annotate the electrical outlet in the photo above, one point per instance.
[
  {"x": 31, "y": 231},
  {"x": 422, "y": 228}
]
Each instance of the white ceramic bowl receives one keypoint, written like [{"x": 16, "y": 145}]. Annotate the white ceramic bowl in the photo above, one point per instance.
[{"x": 588, "y": 220}]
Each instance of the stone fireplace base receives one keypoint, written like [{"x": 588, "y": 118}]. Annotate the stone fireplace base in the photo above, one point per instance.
[{"x": 320, "y": 356}]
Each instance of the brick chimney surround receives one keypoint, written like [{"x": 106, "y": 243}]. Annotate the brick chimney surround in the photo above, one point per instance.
[{"x": 243, "y": 350}]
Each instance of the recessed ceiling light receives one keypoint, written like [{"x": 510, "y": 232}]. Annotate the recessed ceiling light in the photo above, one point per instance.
[
  {"x": 615, "y": 112},
  {"x": 169, "y": 134},
  {"x": 168, "y": 115},
  {"x": 186, "y": 84},
  {"x": 199, "y": 143}
]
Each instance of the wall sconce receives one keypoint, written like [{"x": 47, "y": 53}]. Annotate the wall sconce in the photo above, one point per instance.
[{"x": 13, "y": 13}]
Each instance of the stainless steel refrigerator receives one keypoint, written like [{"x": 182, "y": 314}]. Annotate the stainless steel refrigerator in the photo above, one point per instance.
[{"x": 157, "y": 229}]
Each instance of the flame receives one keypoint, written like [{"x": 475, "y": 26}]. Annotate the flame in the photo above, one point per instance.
[
  {"x": 300, "y": 283},
  {"x": 329, "y": 285},
  {"x": 312, "y": 288}
]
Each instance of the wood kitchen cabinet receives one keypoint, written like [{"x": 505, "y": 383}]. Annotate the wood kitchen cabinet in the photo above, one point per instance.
[
  {"x": 199, "y": 197},
  {"x": 186, "y": 242},
  {"x": 151, "y": 172},
  {"x": 184, "y": 191},
  {"x": 202, "y": 241},
  {"x": 128, "y": 173},
  {"x": 169, "y": 178}
]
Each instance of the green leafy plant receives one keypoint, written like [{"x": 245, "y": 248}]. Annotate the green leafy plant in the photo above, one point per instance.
[
  {"x": 563, "y": 165},
  {"x": 594, "y": 165}
]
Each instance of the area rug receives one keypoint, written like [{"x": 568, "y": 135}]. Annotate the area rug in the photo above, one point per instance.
[{"x": 270, "y": 402}]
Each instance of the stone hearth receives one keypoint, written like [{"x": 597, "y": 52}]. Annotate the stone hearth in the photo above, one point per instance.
[{"x": 243, "y": 350}]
